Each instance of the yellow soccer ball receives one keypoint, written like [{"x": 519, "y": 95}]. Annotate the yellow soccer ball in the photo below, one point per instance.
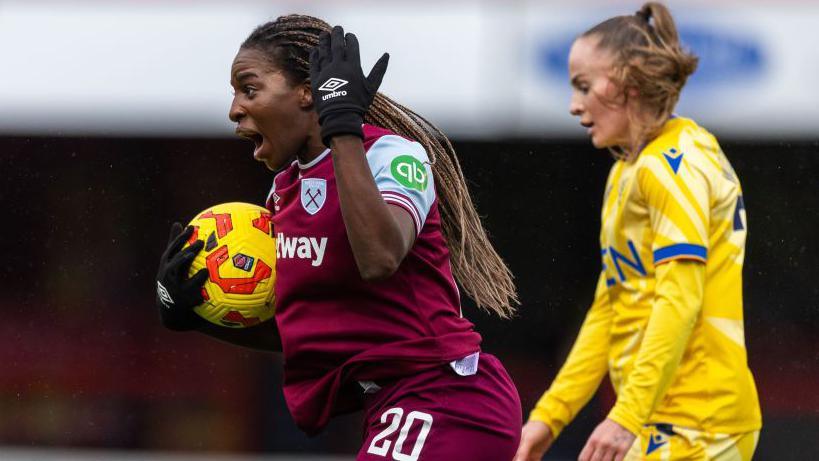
[{"x": 240, "y": 256}]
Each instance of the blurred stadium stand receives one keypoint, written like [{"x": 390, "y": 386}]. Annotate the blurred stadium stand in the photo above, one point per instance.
[{"x": 113, "y": 125}]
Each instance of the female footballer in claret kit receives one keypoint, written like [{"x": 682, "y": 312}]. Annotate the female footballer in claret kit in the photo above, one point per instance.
[
  {"x": 666, "y": 321},
  {"x": 370, "y": 317}
]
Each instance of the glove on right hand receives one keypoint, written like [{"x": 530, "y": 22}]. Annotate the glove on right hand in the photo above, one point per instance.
[{"x": 176, "y": 294}]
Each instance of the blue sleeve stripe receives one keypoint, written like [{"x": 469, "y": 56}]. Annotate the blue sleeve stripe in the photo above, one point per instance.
[{"x": 680, "y": 250}]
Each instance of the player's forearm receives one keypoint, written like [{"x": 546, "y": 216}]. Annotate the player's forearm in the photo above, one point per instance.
[
  {"x": 583, "y": 370},
  {"x": 263, "y": 337},
  {"x": 677, "y": 305},
  {"x": 375, "y": 237}
]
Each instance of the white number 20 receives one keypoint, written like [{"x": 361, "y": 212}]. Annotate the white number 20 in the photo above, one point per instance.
[{"x": 397, "y": 450}]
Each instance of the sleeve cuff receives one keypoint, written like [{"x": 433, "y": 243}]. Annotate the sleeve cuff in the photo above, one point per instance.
[
  {"x": 551, "y": 412},
  {"x": 625, "y": 418},
  {"x": 680, "y": 251},
  {"x": 540, "y": 415},
  {"x": 402, "y": 201}
]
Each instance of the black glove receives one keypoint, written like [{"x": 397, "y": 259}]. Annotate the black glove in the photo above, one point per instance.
[
  {"x": 176, "y": 294},
  {"x": 341, "y": 93}
]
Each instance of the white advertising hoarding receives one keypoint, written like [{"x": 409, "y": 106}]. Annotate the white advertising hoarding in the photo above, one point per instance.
[
  {"x": 153, "y": 68},
  {"x": 478, "y": 69},
  {"x": 755, "y": 76}
]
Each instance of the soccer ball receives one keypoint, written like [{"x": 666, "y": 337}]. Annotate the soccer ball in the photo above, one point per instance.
[{"x": 240, "y": 256}]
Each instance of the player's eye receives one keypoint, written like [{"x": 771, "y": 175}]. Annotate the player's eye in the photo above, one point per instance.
[
  {"x": 248, "y": 90},
  {"x": 580, "y": 86}
]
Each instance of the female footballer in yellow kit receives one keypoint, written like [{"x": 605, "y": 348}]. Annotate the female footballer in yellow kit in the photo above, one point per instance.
[{"x": 666, "y": 321}]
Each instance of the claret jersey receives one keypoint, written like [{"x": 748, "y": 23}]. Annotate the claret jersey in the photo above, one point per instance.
[{"x": 337, "y": 329}]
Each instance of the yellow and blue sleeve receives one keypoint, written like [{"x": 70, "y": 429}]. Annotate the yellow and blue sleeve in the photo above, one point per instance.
[
  {"x": 677, "y": 304},
  {"x": 676, "y": 194},
  {"x": 583, "y": 370}
]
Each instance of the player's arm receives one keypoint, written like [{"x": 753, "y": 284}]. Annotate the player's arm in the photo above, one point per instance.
[
  {"x": 583, "y": 370},
  {"x": 262, "y": 337},
  {"x": 677, "y": 304},
  {"x": 380, "y": 235}
]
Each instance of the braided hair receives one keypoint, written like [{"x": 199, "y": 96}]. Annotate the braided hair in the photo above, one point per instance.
[{"x": 287, "y": 42}]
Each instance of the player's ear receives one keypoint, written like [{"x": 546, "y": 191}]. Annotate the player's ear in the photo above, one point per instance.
[{"x": 305, "y": 96}]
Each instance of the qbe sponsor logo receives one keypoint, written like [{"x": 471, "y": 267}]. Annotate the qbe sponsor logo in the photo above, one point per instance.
[{"x": 410, "y": 172}]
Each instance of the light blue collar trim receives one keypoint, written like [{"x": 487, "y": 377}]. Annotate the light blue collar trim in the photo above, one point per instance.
[{"x": 312, "y": 163}]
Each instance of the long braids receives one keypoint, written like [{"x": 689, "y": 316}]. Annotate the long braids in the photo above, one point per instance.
[{"x": 475, "y": 264}]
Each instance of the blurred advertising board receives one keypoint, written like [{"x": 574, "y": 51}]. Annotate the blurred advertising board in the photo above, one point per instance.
[
  {"x": 755, "y": 76},
  {"x": 480, "y": 70}
]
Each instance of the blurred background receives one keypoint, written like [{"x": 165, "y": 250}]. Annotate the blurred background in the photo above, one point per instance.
[{"x": 113, "y": 124}]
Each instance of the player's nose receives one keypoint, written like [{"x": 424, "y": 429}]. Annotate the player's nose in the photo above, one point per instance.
[
  {"x": 575, "y": 107},
  {"x": 236, "y": 112}
]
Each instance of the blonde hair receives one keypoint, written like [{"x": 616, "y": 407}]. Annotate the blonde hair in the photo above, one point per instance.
[{"x": 647, "y": 57}]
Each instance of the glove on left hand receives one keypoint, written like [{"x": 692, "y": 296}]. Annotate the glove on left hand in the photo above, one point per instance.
[{"x": 341, "y": 93}]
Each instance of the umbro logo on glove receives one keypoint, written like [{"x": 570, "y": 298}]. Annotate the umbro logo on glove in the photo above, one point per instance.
[
  {"x": 164, "y": 296},
  {"x": 335, "y": 64},
  {"x": 331, "y": 85}
]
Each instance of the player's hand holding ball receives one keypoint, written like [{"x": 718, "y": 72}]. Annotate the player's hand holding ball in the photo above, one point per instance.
[
  {"x": 176, "y": 293},
  {"x": 219, "y": 269},
  {"x": 535, "y": 439},
  {"x": 341, "y": 92}
]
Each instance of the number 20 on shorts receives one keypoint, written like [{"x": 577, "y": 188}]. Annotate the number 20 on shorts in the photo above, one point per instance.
[{"x": 381, "y": 443}]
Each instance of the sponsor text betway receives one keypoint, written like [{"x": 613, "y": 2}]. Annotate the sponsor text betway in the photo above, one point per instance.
[{"x": 310, "y": 248}]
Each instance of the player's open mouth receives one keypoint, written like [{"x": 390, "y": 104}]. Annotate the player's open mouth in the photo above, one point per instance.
[
  {"x": 588, "y": 126},
  {"x": 256, "y": 137}
]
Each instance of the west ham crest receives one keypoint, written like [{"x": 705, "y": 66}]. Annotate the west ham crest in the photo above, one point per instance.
[{"x": 313, "y": 194}]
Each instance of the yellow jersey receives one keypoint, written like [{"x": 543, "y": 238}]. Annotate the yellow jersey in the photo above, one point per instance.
[{"x": 667, "y": 321}]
